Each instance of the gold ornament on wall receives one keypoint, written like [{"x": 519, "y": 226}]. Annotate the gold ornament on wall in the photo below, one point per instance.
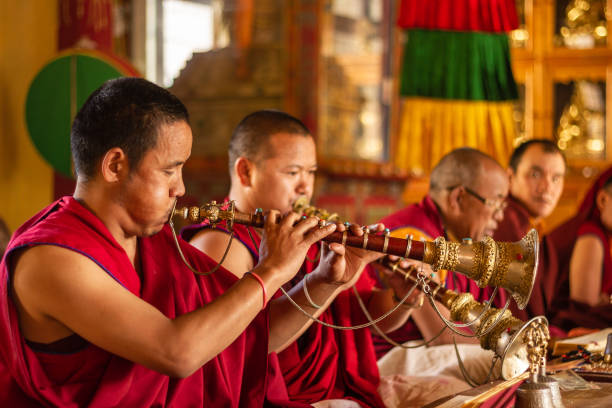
[{"x": 581, "y": 128}]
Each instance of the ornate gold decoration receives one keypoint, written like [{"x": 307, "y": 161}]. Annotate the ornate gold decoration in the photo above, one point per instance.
[
  {"x": 584, "y": 25},
  {"x": 429, "y": 252},
  {"x": 489, "y": 252},
  {"x": 505, "y": 337},
  {"x": 441, "y": 252},
  {"x": 580, "y": 131},
  {"x": 302, "y": 206},
  {"x": 446, "y": 255}
]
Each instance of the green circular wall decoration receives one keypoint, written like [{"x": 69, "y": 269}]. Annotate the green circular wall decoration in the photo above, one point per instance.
[{"x": 57, "y": 93}]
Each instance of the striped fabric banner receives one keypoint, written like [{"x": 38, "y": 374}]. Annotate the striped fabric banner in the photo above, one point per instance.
[{"x": 457, "y": 87}]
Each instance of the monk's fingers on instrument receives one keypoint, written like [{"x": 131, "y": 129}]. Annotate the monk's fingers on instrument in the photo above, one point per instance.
[
  {"x": 303, "y": 225},
  {"x": 289, "y": 220},
  {"x": 271, "y": 218},
  {"x": 409, "y": 264},
  {"x": 379, "y": 227},
  {"x": 341, "y": 227},
  {"x": 336, "y": 248},
  {"x": 317, "y": 234},
  {"x": 356, "y": 229}
]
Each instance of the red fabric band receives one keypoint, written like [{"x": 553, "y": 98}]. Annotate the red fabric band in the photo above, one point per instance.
[
  {"x": 263, "y": 287},
  {"x": 493, "y": 16}
]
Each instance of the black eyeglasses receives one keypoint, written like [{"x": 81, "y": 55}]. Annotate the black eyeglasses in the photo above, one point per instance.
[{"x": 499, "y": 204}]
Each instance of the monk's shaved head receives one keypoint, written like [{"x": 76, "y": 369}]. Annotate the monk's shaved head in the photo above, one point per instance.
[
  {"x": 252, "y": 135},
  {"x": 469, "y": 188},
  {"x": 463, "y": 166}
]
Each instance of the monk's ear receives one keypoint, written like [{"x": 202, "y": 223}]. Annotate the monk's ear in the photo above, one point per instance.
[
  {"x": 601, "y": 199},
  {"x": 244, "y": 171},
  {"x": 454, "y": 198},
  {"x": 114, "y": 165}
]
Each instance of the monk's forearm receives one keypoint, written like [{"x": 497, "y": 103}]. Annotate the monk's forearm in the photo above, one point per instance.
[
  {"x": 380, "y": 303},
  {"x": 204, "y": 333},
  {"x": 287, "y": 323}
]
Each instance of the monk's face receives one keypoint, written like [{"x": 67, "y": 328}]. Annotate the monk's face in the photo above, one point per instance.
[
  {"x": 538, "y": 180},
  {"x": 286, "y": 173},
  {"x": 151, "y": 188},
  {"x": 481, "y": 206}
]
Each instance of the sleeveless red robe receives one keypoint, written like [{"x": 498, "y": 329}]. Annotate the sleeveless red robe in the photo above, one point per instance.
[
  {"x": 93, "y": 377},
  {"x": 325, "y": 363}
]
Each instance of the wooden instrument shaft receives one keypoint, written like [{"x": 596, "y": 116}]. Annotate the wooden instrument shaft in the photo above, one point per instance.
[{"x": 395, "y": 246}]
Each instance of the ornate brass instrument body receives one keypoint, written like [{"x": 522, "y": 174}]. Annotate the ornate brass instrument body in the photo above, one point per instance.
[
  {"x": 506, "y": 339},
  {"x": 511, "y": 265}
]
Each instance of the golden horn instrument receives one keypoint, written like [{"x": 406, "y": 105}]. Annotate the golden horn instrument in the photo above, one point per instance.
[
  {"x": 510, "y": 265},
  {"x": 506, "y": 339}
]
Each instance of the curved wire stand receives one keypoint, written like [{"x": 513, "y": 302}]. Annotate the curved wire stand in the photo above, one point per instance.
[{"x": 468, "y": 378}]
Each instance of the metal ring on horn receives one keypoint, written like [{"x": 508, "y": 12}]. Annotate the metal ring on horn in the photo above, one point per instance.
[
  {"x": 408, "y": 245},
  {"x": 386, "y": 243}
]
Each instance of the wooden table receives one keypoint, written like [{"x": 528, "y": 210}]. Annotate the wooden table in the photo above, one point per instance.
[{"x": 601, "y": 398}]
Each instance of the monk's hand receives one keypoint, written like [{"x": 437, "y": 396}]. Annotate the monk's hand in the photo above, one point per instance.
[
  {"x": 284, "y": 244},
  {"x": 400, "y": 285},
  {"x": 342, "y": 265}
]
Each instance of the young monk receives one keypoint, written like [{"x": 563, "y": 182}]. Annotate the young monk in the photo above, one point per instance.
[
  {"x": 591, "y": 264},
  {"x": 272, "y": 159},
  {"x": 536, "y": 172},
  {"x": 97, "y": 308}
]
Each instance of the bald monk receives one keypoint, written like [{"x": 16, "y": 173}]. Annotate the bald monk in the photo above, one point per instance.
[
  {"x": 97, "y": 307},
  {"x": 272, "y": 158},
  {"x": 466, "y": 196}
]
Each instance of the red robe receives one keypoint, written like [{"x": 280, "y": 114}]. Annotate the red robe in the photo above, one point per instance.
[
  {"x": 325, "y": 363},
  {"x": 422, "y": 221},
  {"x": 565, "y": 312},
  {"x": 91, "y": 376},
  {"x": 516, "y": 223}
]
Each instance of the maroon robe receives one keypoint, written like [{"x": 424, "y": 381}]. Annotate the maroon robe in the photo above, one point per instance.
[
  {"x": 560, "y": 242},
  {"x": 516, "y": 223},
  {"x": 324, "y": 363},
  {"x": 91, "y": 376}
]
